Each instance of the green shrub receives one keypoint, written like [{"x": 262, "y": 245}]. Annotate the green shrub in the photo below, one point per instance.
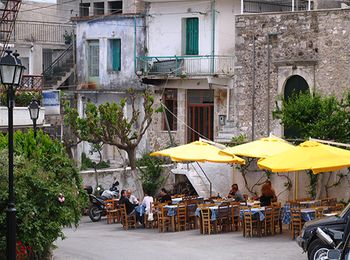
[
  {"x": 42, "y": 172},
  {"x": 22, "y": 99},
  {"x": 150, "y": 173},
  {"x": 87, "y": 163}
]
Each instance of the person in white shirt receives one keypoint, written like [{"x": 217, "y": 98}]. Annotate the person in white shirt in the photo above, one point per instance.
[
  {"x": 131, "y": 197},
  {"x": 147, "y": 202}
]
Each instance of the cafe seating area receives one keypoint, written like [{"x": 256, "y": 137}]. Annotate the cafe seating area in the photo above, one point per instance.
[{"x": 221, "y": 215}]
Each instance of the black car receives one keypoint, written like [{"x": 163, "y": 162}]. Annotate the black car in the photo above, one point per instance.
[{"x": 308, "y": 239}]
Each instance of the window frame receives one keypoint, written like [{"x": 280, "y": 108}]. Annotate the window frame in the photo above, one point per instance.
[
  {"x": 174, "y": 109},
  {"x": 93, "y": 43}
]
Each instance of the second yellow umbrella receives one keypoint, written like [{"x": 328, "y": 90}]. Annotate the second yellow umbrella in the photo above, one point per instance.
[{"x": 262, "y": 148}]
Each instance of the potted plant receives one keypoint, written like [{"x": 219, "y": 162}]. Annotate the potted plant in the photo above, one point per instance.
[{"x": 67, "y": 37}]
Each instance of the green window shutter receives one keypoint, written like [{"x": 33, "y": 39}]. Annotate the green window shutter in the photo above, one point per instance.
[
  {"x": 116, "y": 54},
  {"x": 192, "y": 35}
]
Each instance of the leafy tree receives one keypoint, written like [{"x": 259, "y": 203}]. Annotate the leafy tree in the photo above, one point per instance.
[
  {"x": 317, "y": 116},
  {"x": 43, "y": 175},
  {"x": 107, "y": 124}
]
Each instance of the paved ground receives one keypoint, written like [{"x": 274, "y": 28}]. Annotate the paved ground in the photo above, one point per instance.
[{"x": 101, "y": 241}]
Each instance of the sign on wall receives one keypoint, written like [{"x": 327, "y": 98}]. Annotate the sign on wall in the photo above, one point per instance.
[{"x": 51, "y": 102}]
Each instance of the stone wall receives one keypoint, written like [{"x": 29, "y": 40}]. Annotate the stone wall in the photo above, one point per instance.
[
  {"x": 314, "y": 45},
  {"x": 107, "y": 177}
]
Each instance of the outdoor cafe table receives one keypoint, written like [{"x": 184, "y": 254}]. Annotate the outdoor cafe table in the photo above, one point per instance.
[
  {"x": 309, "y": 203},
  {"x": 307, "y": 214}
]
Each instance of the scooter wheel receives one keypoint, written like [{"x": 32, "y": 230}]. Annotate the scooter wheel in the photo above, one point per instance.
[
  {"x": 95, "y": 213},
  {"x": 318, "y": 250}
]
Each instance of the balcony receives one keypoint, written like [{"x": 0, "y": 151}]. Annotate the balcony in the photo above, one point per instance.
[
  {"x": 31, "y": 83},
  {"x": 41, "y": 32},
  {"x": 185, "y": 66}
]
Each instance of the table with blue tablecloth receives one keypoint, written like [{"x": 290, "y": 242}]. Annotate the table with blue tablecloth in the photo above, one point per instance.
[
  {"x": 307, "y": 214},
  {"x": 214, "y": 212}
]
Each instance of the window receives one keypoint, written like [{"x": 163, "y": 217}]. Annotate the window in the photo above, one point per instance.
[
  {"x": 115, "y": 7},
  {"x": 170, "y": 102},
  {"x": 115, "y": 54},
  {"x": 84, "y": 9},
  {"x": 192, "y": 35},
  {"x": 99, "y": 8},
  {"x": 93, "y": 58}
]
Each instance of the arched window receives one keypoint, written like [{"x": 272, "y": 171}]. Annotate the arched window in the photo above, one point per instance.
[{"x": 294, "y": 86}]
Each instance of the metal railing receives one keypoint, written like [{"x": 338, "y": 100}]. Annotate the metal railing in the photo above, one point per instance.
[
  {"x": 60, "y": 64},
  {"x": 182, "y": 66},
  {"x": 266, "y": 6},
  {"x": 31, "y": 83},
  {"x": 44, "y": 32}
]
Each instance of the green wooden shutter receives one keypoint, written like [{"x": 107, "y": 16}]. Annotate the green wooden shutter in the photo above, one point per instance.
[
  {"x": 192, "y": 35},
  {"x": 116, "y": 54},
  {"x": 93, "y": 58}
]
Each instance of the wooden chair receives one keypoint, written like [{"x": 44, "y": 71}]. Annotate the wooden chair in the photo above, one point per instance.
[
  {"x": 277, "y": 217},
  {"x": 324, "y": 202},
  {"x": 112, "y": 212},
  {"x": 164, "y": 221},
  {"x": 224, "y": 217},
  {"x": 294, "y": 204},
  {"x": 128, "y": 221},
  {"x": 319, "y": 212},
  {"x": 235, "y": 216},
  {"x": 192, "y": 221},
  {"x": 332, "y": 202},
  {"x": 268, "y": 221},
  {"x": 251, "y": 224},
  {"x": 206, "y": 221},
  {"x": 296, "y": 222},
  {"x": 181, "y": 216}
]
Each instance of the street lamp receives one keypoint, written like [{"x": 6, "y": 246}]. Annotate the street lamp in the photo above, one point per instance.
[
  {"x": 11, "y": 70},
  {"x": 34, "y": 109}
]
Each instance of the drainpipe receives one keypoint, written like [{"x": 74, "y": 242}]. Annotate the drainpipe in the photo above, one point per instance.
[
  {"x": 253, "y": 90},
  {"x": 135, "y": 59},
  {"x": 213, "y": 11}
]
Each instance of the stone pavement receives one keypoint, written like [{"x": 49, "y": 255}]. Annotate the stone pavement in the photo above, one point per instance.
[{"x": 102, "y": 241}]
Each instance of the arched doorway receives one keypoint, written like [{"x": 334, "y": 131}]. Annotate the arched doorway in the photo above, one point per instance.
[{"x": 295, "y": 85}]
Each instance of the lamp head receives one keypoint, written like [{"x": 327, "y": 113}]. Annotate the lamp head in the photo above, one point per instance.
[
  {"x": 11, "y": 68},
  {"x": 34, "y": 109}
]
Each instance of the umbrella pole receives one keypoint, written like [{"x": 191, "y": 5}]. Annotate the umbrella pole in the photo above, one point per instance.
[
  {"x": 210, "y": 184},
  {"x": 296, "y": 185}
]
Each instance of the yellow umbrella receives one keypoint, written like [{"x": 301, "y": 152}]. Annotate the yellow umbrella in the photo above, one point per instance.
[
  {"x": 262, "y": 148},
  {"x": 198, "y": 151},
  {"x": 309, "y": 155}
]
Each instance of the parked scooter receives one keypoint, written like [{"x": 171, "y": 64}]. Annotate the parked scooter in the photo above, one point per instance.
[
  {"x": 98, "y": 205},
  {"x": 338, "y": 241}
]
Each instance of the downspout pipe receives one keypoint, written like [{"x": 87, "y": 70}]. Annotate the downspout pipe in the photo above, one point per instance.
[
  {"x": 135, "y": 58},
  {"x": 213, "y": 14}
]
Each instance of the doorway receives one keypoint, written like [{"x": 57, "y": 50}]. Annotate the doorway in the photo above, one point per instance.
[
  {"x": 200, "y": 116},
  {"x": 295, "y": 85}
]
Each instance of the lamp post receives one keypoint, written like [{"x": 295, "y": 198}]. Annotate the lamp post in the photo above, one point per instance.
[
  {"x": 10, "y": 75},
  {"x": 34, "y": 109}
]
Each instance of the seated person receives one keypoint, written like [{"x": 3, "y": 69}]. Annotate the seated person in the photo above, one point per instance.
[
  {"x": 147, "y": 202},
  {"x": 164, "y": 196},
  {"x": 130, "y": 208},
  {"x": 235, "y": 193},
  {"x": 268, "y": 194},
  {"x": 131, "y": 197}
]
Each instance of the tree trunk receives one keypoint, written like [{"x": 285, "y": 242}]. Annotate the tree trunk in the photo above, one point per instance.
[{"x": 134, "y": 172}]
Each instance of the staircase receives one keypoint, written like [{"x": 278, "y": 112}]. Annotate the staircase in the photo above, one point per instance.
[
  {"x": 9, "y": 12},
  {"x": 228, "y": 131},
  {"x": 196, "y": 177},
  {"x": 60, "y": 69}
]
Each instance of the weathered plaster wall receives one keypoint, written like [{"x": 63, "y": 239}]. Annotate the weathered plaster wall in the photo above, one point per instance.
[
  {"x": 165, "y": 34},
  {"x": 116, "y": 27}
]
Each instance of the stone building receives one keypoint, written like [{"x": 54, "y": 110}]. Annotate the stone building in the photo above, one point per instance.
[{"x": 284, "y": 52}]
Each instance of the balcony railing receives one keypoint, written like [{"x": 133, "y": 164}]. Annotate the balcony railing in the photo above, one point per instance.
[
  {"x": 43, "y": 32},
  {"x": 31, "y": 83},
  {"x": 183, "y": 66}
]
